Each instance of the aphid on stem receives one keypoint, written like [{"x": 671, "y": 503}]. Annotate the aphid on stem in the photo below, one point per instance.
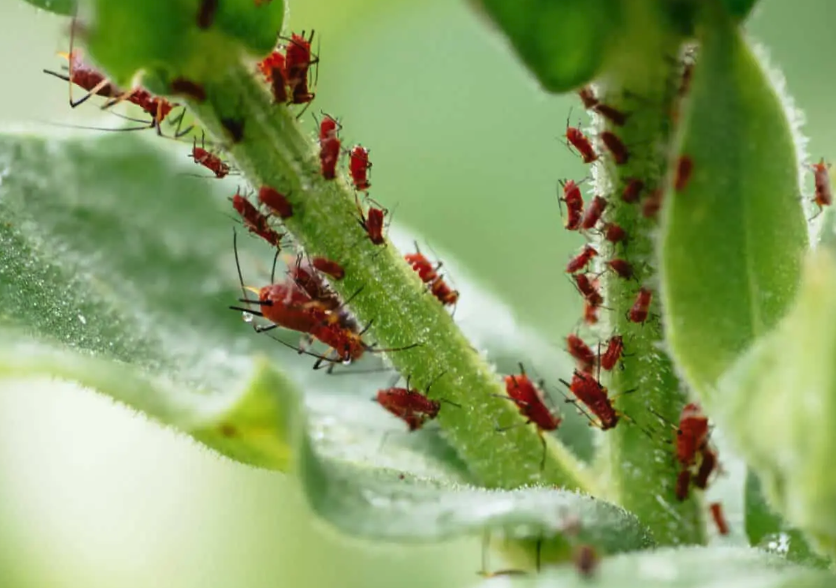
[
  {"x": 622, "y": 268},
  {"x": 641, "y": 307},
  {"x": 581, "y": 143},
  {"x": 209, "y": 160},
  {"x": 372, "y": 222},
  {"x": 275, "y": 201},
  {"x": 824, "y": 191},
  {"x": 615, "y": 147},
  {"x": 574, "y": 204},
  {"x": 653, "y": 203},
  {"x": 611, "y": 356},
  {"x": 329, "y": 267},
  {"x": 632, "y": 191},
  {"x": 581, "y": 260},
  {"x": 409, "y": 405},
  {"x": 358, "y": 167},
  {"x": 684, "y": 167},
  {"x": 256, "y": 222},
  {"x": 614, "y": 233},
  {"x": 581, "y": 352},
  {"x": 593, "y": 213},
  {"x": 719, "y": 518},
  {"x": 592, "y": 394}
]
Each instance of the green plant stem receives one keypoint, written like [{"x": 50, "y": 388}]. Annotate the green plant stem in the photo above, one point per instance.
[
  {"x": 384, "y": 290},
  {"x": 642, "y": 468}
]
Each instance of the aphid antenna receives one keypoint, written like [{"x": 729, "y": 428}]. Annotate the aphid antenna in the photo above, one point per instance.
[{"x": 103, "y": 129}]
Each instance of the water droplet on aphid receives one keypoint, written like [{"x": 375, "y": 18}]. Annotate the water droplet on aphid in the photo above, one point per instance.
[{"x": 248, "y": 317}]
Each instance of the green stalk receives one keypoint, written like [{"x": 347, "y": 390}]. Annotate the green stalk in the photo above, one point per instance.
[{"x": 642, "y": 468}]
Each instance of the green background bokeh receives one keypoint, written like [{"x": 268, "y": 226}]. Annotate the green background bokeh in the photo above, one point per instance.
[{"x": 466, "y": 146}]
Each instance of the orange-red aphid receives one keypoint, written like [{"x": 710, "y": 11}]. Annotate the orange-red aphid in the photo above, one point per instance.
[
  {"x": 275, "y": 201},
  {"x": 329, "y": 267},
  {"x": 707, "y": 467},
  {"x": 574, "y": 205},
  {"x": 359, "y": 166},
  {"x": 581, "y": 260},
  {"x": 581, "y": 352},
  {"x": 641, "y": 307},
  {"x": 719, "y": 518},
  {"x": 409, "y": 405},
  {"x": 653, "y": 203},
  {"x": 580, "y": 142},
  {"x": 622, "y": 267},
  {"x": 593, "y": 395},
  {"x": 615, "y": 147},
  {"x": 614, "y": 233},
  {"x": 287, "y": 306},
  {"x": 446, "y": 295},
  {"x": 824, "y": 191},
  {"x": 423, "y": 266},
  {"x": 206, "y": 13},
  {"x": 588, "y": 289},
  {"x": 590, "y": 313},
  {"x": 210, "y": 161},
  {"x": 611, "y": 356},
  {"x": 593, "y": 212},
  {"x": 691, "y": 434},
  {"x": 683, "y": 483},
  {"x": 372, "y": 223},
  {"x": 684, "y": 167},
  {"x": 632, "y": 191},
  {"x": 256, "y": 222}
]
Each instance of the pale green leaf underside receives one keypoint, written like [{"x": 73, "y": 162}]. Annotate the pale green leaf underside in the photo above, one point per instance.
[
  {"x": 64, "y": 7},
  {"x": 687, "y": 567}
]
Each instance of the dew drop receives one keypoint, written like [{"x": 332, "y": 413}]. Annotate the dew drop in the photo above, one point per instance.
[
  {"x": 248, "y": 317},
  {"x": 82, "y": 319}
]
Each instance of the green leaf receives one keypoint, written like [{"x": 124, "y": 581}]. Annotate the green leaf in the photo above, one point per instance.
[
  {"x": 689, "y": 567},
  {"x": 767, "y": 530},
  {"x": 63, "y": 7},
  {"x": 779, "y": 409},
  {"x": 563, "y": 42},
  {"x": 739, "y": 8},
  {"x": 115, "y": 272},
  {"x": 733, "y": 238}
]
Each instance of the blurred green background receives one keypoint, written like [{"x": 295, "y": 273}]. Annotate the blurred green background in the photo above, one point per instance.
[{"x": 465, "y": 145}]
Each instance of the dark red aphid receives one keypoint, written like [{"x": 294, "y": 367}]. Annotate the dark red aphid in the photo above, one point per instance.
[
  {"x": 824, "y": 191},
  {"x": 206, "y": 13},
  {"x": 210, "y": 161},
  {"x": 304, "y": 277},
  {"x": 581, "y": 352},
  {"x": 256, "y": 222},
  {"x": 372, "y": 222},
  {"x": 581, "y": 260},
  {"x": 719, "y": 518},
  {"x": 580, "y": 142},
  {"x": 632, "y": 191},
  {"x": 446, "y": 295},
  {"x": 359, "y": 166},
  {"x": 285, "y": 305},
  {"x": 87, "y": 78},
  {"x": 691, "y": 434},
  {"x": 611, "y": 356},
  {"x": 641, "y": 307},
  {"x": 614, "y": 233},
  {"x": 593, "y": 212},
  {"x": 622, "y": 267},
  {"x": 586, "y": 560},
  {"x": 588, "y": 97},
  {"x": 275, "y": 201},
  {"x": 531, "y": 403},
  {"x": 329, "y": 267},
  {"x": 611, "y": 113},
  {"x": 683, "y": 484},
  {"x": 588, "y": 289},
  {"x": 273, "y": 62},
  {"x": 684, "y": 167},
  {"x": 590, "y": 313},
  {"x": 653, "y": 203},
  {"x": 298, "y": 59},
  {"x": 423, "y": 266},
  {"x": 409, "y": 405},
  {"x": 329, "y": 146},
  {"x": 188, "y": 88},
  {"x": 615, "y": 147},
  {"x": 574, "y": 205},
  {"x": 707, "y": 467},
  {"x": 593, "y": 395}
]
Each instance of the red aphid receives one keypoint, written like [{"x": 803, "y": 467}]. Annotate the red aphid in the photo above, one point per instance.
[
  {"x": 587, "y": 96},
  {"x": 590, "y": 313},
  {"x": 87, "y": 78},
  {"x": 372, "y": 223},
  {"x": 272, "y": 63},
  {"x": 328, "y": 128},
  {"x": 622, "y": 267},
  {"x": 581, "y": 260},
  {"x": 328, "y": 267},
  {"x": 574, "y": 205},
  {"x": 588, "y": 289},
  {"x": 719, "y": 518},
  {"x": 188, "y": 88},
  {"x": 614, "y": 233},
  {"x": 586, "y": 560},
  {"x": 329, "y": 155},
  {"x": 641, "y": 307},
  {"x": 359, "y": 166},
  {"x": 632, "y": 191},
  {"x": 611, "y": 113},
  {"x": 275, "y": 201},
  {"x": 580, "y": 142},
  {"x": 707, "y": 467},
  {"x": 581, "y": 352},
  {"x": 691, "y": 435},
  {"x": 158, "y": 108},
  {"x": 593, "y": 395},
  {"x": 298, "y": 60},
  {"x": 683, "y": 484},
  {"x": 420, "y": 264},
  {"x": 653, "y": 203},
  {"x": 409, "y": 405},
  {"x": 287, "y": 306},
  {"x": 824, "y": 191},
  {"x": 446, "y": 295},
  {"x": 278, "y": 86},
  {"x": 593, "y": 212},
  {"x": 210, "y": 161},
  {"x": 615, "y": 147},
  {"x": 313, "y": 285},
  {"x": 256, "y": 222},
  {"x": 346, "y": 343},
  {"x": 684, "y": 167},
  {"x": 530, "y": 401},
  {"x": 611, "y": 356}
]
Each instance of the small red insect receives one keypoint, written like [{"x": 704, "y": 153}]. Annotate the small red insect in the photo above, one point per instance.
[
  {"x": 684, "y": 167},
  {"x": 188, "y": 88},
  {"x": 583, "y": 354},
  {"x": 271, "y": 63},
  {"x": 653, "y": 203},
  {"x": 683, "y": 483},
  {"x": 409, "y": 405},
  {"x": 691, "y": 435},
  {"x": 329, "y": 146},
  {"x": 611, "y": 113},
  {"x": 206, "y": 13},
  {"x": 359, "y": 166},
  {"x": 275, "y": 201},
  {"x": 446, "y": 295},
  {"x": 593, "y": 212},
  {"x": 373, "y": 222},
  {"x": 641, "y": 307},
  {"x": 707, "y": 467},
  {"x": 588, "y": 97},
  {"x": 87, "y": 78},
  {"x": 611, "y": 356},
  {"x": 824, "y": 191},
  {"x": 420, "y": 264},
  {"x": 632, "y": 191},
  {"x": 286, "y": 306},
  {"x": 615, "y": 147},
  {"x": 531, "y": 403},
  {"x": 590, "y": 313},
  {"x": 719, "y": 518},
  {"x": 328, "y": 128},
  {"x": 210, "y": 161},
  {"x": 574, "y": 205},
  {"x": 622, "y": 267},
  {"x": 593, "y": 395},
  {"x": 256, "y": 222},
  {"x": 298, "y": 60},
  {"x": 580, "y": 142},
  {"x": 614, "y": 233},
  {"x": 581, "y": 260},
  {"x": 586, "y": 560},
  {"x": 309, "y": 281},
  {"x": 588, "y": 289},
  {"x": 329, "y": 267}
]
